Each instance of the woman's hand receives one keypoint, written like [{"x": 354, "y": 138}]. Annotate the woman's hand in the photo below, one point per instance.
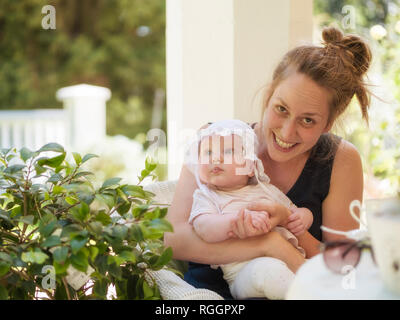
[{"x": 278, "y": 213}]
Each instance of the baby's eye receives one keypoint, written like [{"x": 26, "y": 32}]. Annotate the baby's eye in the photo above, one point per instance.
[{"x": 228, "y": 151}]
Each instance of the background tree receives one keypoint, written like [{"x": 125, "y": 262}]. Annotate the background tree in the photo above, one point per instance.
[{"x": 117, "y": 44}]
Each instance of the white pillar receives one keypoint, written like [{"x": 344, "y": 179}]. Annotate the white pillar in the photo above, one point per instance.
[
  {"x": 85, "y": 107},
  {"x": 220, "y": 53}
]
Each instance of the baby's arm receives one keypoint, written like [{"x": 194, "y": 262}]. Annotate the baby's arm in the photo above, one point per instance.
[
  {"x": 300, "y": 221},
  {"x": 213, "y": 227},
  {"x": 218, "y": 227}
]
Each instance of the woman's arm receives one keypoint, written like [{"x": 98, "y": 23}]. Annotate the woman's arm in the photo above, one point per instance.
[
  {"x": 188, "y": 246},
  {"x": 345, "y": 186}
]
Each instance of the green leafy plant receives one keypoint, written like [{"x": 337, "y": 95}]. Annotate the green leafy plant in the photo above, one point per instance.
[{"x": 62, "y": 238}]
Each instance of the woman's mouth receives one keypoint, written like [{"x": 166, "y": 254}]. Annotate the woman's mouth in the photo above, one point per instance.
[{"x": 283, "y": 145}]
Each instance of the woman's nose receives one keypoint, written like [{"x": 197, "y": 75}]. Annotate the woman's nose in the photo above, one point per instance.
[{"x": 289, "y": 131}]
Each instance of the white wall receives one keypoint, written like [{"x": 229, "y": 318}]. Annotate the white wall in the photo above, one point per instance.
[{"x": 219, "y": 55}]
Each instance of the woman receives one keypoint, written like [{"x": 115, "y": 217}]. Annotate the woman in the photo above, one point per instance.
[{"x": 310, "y": 88}]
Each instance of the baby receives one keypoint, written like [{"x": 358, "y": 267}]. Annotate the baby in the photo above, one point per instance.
[{"x": 230, "y": 177}]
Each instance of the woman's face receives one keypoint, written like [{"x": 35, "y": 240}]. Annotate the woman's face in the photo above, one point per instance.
[{"x": 296, "y": 116}]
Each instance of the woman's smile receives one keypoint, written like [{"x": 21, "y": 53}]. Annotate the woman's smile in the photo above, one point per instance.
[{"x": 282, "y": 145}]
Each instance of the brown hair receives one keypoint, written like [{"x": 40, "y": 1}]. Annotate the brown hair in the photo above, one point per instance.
[{"x": 338, "y": 66}]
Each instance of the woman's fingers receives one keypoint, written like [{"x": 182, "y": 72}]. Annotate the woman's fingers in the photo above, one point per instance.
[
  {"x": 239, "y": 223},
  {"x": 278, "y": 213}
]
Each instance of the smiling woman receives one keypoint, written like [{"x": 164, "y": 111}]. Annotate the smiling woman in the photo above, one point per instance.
[{"x": 316, "y": 170}]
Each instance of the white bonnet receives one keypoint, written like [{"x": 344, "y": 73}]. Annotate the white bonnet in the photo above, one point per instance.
[{"x": 226, "y": 128}]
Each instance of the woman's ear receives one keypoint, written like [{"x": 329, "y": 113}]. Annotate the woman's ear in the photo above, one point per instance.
[{"x": 328, "y": 126}]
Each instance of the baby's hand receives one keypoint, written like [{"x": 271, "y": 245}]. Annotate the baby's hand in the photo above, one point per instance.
[
  {"x": 300, "y": 221},
  {"x": 260, "y": 220}
]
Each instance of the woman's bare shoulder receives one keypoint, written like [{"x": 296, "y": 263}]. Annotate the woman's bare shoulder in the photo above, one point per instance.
[
  {"x": 346, "y": 155},
  {"x": 347, "y": 165}
]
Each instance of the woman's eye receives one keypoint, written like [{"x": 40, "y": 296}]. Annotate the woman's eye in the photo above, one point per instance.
[
  {"x": 308, "y": 121},
  {"x": 281, "y": 109}
]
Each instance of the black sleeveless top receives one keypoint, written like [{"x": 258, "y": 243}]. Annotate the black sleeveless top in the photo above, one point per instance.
[{"x": 309, "y": 191}]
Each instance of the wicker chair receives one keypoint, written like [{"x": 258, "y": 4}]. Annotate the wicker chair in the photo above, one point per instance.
[{"x": 171, "y": 286}]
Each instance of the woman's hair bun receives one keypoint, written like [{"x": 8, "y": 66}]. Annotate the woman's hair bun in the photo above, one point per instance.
[
  {"x": 357, "y": 50},
  {"x": 332, "y": 35}
]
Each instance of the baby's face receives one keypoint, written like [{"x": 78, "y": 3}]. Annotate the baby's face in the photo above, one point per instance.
[{"x": 222, "y": 163}]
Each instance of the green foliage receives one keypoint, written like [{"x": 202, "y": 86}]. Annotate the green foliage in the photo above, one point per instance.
[
  {"x": 52, "y": 216},
  {"x": 379, "y": 144},
  {"x": 96, "y": 42}
]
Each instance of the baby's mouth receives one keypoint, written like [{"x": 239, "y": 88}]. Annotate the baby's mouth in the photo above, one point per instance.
[{"x": 216, "y": 170}]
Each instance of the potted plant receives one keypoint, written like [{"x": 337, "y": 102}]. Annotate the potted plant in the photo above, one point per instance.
[{"x": 63, "y": 238}]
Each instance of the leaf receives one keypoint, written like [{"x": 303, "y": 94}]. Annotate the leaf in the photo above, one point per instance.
[
  {"x": 52, "y": 162},
  {"x": 51, "y": 241},
  {"x": 81, "y": 211},
  {"x": 3, "y": 293},
  {"x": 83, "y": 173},
  {"x": 89, "y": 156},
  {"x": 147, "y": 290},
  {"x": 120, "y": 232},
  {"x": 52, "y": 147},
  {"x": 100, "y": 288},
  {"x": 26, "y": 154},
  {"x": 111, "y": 182},
  {"x": 4, "y": 268},
  {"x": 144, "y": 174},
  {"x": 55, "y": 178},
  {"x": 80, "y": 261},
  {"x": 97, "y": 227},
  {"x": 103, "y": 217},
  {"x": 77, "y": 158},
  {"x": 14, "y": 168},
  {"x": 149, "y": 165},
  {"x": 46, "y": 229},
  {"x": 134, "y": 191},
  {"x": 27, "y": 219},
  {"x": 94, "y": 251},
  {"x": 128, "y": 256},
  {"x": 160, "y": 224},
  {"x": 6, "y": 257},
  {"x": 36, "y": 256},
  {"x": 60, "y": 254},
  {"x": 58, "y": 190},
  {"x": 107, "y": 199},
  {"x": 77, "y": 243},
  {"x": 39, "y": 169},
  {"x": 71, "y": 200},
  {"x": 165, "y": 257},
  {"x": 136, "y": 233}
]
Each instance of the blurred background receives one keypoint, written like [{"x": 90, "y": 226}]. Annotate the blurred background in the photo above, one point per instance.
[{"x": 121, "y": 45}]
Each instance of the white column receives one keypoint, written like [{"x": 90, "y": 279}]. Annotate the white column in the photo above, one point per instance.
[
  {"x": 219, "y": 55},
  {"x": 85, "y": 107}
]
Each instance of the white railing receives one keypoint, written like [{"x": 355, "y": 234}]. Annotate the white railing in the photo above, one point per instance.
[
  {"x": 79, "y": 125},
  {"x": 32, "y": 128}
]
